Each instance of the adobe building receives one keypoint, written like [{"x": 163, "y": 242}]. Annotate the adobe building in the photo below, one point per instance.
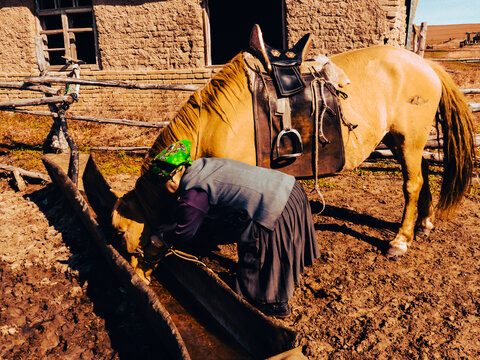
[{"x": 175, "y": 41}]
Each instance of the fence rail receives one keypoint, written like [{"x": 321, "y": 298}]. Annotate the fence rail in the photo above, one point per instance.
[
  {"x": 466, "y": 60},
  {"x": 110, "y": 83}
]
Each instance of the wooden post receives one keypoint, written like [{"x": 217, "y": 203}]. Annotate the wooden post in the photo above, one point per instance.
[
  {"x": 55, "y": 141},
  {"x": 414, "y": 39},
  {"x": 410, "y": 17},
  {"x": 74, "y": 164},
  {"x": 422, "y": 39},
  {"x": 42, "y": 63}
]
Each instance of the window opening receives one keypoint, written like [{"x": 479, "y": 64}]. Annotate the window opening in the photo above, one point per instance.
[
  {"x": 231, "y": 24},
  {"x": 68, "y": 29}
]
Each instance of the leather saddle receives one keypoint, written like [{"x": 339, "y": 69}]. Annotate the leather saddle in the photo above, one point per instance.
[{"x": 297, "y": 117}]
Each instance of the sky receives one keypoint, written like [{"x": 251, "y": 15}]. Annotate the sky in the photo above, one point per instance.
[{"x": 445, "y": 12}]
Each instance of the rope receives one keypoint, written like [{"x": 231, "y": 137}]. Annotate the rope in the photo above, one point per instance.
[
  {"x": 170, "y": 250},
  {"x": 314, "y": 89}
]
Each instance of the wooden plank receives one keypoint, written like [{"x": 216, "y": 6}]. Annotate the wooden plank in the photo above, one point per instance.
[
  {"x": 475, "y": 107},
  {"x": 110, "y": 83},
  {"x": 157, "y": 315}
]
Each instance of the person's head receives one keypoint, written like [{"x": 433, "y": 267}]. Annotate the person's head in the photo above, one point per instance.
[{"x": 170, "y": 164}]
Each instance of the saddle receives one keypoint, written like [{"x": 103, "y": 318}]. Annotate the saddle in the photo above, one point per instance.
[{"x": 297, "y": 115}]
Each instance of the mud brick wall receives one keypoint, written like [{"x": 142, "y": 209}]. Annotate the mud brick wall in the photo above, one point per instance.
[
  {"x": 17, "y": 32},
  {"x": 163, "y": 41},
  {"x": 150, "y": 34},
  {"x": 340, "y": 25}
]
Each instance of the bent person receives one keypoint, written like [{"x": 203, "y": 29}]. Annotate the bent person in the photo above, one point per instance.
[{"x": 276, "y": 238}]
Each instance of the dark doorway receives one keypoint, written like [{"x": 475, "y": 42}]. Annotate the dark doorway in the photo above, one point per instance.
[{"x": 231, "y": 23}]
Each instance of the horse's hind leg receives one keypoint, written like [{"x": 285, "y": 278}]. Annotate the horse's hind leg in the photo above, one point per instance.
[
  {"x": 426, "y": 210},
  {"x": 410, "y": 157}
]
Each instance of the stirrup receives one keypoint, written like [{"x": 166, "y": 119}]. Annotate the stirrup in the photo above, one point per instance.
[{"x": 294, "y": 135}]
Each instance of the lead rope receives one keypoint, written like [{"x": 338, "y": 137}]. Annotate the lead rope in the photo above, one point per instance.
[
  {"x": 181, "y": 254},
  {"x": 314, "y": 90}
]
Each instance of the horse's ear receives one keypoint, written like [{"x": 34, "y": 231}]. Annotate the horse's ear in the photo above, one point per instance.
[
  {"x": 257, "y": 45},
  {"x": 303, "y": 46}
]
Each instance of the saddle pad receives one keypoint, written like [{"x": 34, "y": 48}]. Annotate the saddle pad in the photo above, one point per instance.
[{"x": 268, "y": 124}]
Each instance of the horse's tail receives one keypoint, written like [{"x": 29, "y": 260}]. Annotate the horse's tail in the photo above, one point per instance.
[{"x": 457, "y": 125}]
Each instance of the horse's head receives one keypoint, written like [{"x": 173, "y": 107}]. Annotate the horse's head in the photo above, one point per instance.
[{"x": 136, "y": 215}]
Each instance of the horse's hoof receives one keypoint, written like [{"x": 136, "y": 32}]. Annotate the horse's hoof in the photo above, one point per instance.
[
  {"x": 423, "y": 232},
  {"x": 424, "y": 229},
  {"x": 397, "y": 250}
]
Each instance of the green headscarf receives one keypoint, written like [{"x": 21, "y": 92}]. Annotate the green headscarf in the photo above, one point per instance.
[{"x": 175, "y": 155}]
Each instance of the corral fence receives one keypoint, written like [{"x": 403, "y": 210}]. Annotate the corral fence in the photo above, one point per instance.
[{"x": 59, "y": 100}]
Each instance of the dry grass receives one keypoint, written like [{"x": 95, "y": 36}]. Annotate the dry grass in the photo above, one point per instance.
[{"x": 22, "y": 138}]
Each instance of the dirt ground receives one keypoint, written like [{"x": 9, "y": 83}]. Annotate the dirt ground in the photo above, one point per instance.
[{"x": 60, "y": 301}]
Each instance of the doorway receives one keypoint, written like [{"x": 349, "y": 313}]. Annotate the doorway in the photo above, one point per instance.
[{"x": 232, "y": 21}]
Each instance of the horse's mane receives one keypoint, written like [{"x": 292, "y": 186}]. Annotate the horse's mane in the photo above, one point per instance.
[{"x": 217, "y": 98}]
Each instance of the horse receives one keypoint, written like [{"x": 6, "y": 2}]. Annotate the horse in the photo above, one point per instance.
[{"x": 394, "y": 97}]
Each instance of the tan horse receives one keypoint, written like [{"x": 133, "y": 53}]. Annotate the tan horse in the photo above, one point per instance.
[{"x": 393, "y": 97}]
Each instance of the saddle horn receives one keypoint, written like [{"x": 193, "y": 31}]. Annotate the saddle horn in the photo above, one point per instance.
[{"x": 270, "y": 56}]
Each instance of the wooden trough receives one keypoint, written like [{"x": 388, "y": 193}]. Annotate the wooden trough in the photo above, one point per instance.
[{"x": 208, "y": 320}]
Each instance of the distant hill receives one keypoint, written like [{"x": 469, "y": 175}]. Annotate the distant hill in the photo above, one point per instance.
[{"x": 439, "y": 33}]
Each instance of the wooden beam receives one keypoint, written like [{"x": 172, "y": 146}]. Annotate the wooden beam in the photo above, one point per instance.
[
  {"x": 137, "y": 149},
  {"x": 78, "y": 10},
  {"x": 24, "y": 86},
  {"x": 461, "y": 60},
  {"x": 31, "y": 112},
  {"x": 80, "y": 30},
  {"x": 25, "y": 173},
  {"x": 470, "y": 91},
  {"x": 33, "y": 102},
  {"x": 126, "y": 122},
  {"x": 110, "y": 83}
]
